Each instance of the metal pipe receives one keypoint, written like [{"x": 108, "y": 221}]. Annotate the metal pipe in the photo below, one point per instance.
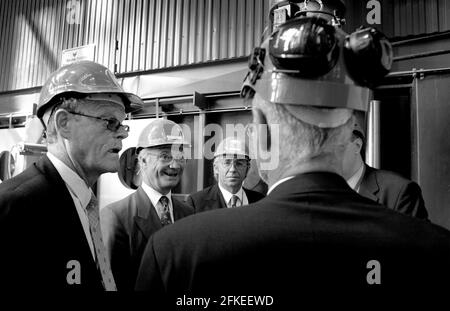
[
  {"x": 179, "y": 67},
  {"x": 32, "y": 149},
  {"x": 419, "y": 71},
  {"x": 373, "y": 134},
  {"x": 157, "y": 107},
  {"x": 199, "y": 112},
  {"x": 394, "y": 86},
  {"x": 199, "y": 151},
  {"x": 417, "y": 172},
  {"x": 420, "y": 55},
  {"x": 188, "y": 97},
  {"x": 422, "y": 38}
]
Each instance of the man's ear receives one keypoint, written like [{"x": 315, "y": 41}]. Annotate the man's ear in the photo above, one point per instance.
[
  {"x": 62, "y": 122},
  {"x": 215, "y": 168},
  {"x": 141, "y": 160},
  {"x": 262, "y": 133},
  {"x": 359, "y": 144}
]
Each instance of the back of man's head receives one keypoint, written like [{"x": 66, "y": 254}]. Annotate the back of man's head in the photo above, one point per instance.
[
  {"x": 303, "y": 146},
  {"x": 307, "y": 78}
]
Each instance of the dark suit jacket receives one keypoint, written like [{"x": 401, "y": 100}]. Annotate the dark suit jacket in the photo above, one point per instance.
[
  {"x": 40, "y": 232},
  {"x": 312, "y": 233},
  {"x": 211, "y": 198},
  {"x": 395, "y": 192},
  {"x": 127, "y": 224}
]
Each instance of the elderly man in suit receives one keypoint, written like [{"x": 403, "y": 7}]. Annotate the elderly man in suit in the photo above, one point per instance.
[
  {"x": 312, "y": 234},
  {"x": 128, "y": 223},
  {"x": 50, "y": 236},
  {"x": 384, "y": 187},
  {"x": 231, "y": 165}
]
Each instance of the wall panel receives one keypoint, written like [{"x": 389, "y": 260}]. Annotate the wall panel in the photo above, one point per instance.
[{"x": 150, "y": 35}]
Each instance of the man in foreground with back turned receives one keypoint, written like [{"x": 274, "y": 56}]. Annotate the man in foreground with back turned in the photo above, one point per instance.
[
  {"x": 312, "y": 234},
  {"x": 50, "y": 236}
]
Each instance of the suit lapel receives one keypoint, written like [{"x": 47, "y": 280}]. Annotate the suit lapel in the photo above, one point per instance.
[
  {"x": 63, "y": 217},
  {"x": 369, "y": 186},
  {"x": 146, "y": 219},
  {"x": 215, "y": 198},
  {"x": 251, "y": 197},
  {"x": 64, "y": 211},
  {"x": 179, "y": 210}
]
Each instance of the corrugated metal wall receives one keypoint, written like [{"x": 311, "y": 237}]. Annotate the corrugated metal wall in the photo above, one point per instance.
[
  {"x": 150, "y": 34},
  {"x": 163, "y": 33},
  {"x": 167, "y": 33}
]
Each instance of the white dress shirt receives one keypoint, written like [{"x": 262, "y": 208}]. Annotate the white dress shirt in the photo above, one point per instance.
[
  {"x": 81, "y": 194},
  {"x": 242, "y": 197},
  {"x": 155, "y": 196},
  {"x": 354, "y": 181},
  {"x": 282, "y": 180}
]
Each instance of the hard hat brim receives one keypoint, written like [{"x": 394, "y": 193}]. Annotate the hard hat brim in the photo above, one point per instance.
[
  {"x": 131, "y": 102},
  {"x": 139, "y": 148},
  {"x": 135, "y": 103}
]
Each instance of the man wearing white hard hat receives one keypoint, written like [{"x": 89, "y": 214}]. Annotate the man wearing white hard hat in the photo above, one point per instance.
[
  {"x": 231, "y": 165},
  {"x": 312, "y": 235},
  {"x": 50, "y": 234},
  {"x": 129, "y": 223}
]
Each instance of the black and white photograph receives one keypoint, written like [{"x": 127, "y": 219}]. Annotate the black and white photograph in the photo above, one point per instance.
[{"x": 226, "y": 154}]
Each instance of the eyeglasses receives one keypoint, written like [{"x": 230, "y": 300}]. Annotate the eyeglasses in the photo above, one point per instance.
[
  {"x": 238, "y": 163},
  {"x": 112, "y": 124},
  {"x": 167, "y": 158}
]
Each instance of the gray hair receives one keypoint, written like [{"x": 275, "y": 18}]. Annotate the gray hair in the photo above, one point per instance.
[
  {"x": 78, "y": 105},
  {"x": 70, "y": 104},
  {"x": 302, "y": 141}
]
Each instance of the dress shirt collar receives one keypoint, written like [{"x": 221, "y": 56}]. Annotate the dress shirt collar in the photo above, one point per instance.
[
  {"x": 282, "y": 180},
  {"x": 227, "y": 195},
  {"x": 353, "y": 181},
  {"x": 72, "y": 180},
  {"x": 155, "y": 196}
]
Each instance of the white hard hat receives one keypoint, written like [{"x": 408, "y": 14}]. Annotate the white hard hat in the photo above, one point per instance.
[
  {"x": 161, "y": 132},
  {"x": 84, "y": 78},
  {"x": 232, "y": 146}
]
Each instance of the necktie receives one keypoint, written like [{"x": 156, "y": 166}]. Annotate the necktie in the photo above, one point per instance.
[
  {"x": 164, "y": 211},
  {"x": 100, "y": 251},
  {"x": 233, "y": 200}
]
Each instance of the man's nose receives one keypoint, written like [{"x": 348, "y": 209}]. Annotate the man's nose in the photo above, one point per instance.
[
  {"x": 232, "y": 167},
  {"x": 174, "y": 164},
  {"x": 121, "y": 133}
]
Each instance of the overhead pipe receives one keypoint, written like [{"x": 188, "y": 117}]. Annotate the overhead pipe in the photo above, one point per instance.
[
  {"x": 373, "y": 135},
  {"x": 420, "y": 55}
]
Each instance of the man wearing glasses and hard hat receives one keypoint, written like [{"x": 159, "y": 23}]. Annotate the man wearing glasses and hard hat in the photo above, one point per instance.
[
  {"x": 231, "y": 165},
  {"x": 49, "y": 216},
  {"x": 129, "y": 223},
  {"x": 312, "y": 234}
]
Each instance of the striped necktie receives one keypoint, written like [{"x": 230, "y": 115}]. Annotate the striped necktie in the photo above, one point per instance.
[
  {"x": 164, "y": 211},
  {"x": 233, "y": 200},
  {"x": 100, "y": 251}
]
